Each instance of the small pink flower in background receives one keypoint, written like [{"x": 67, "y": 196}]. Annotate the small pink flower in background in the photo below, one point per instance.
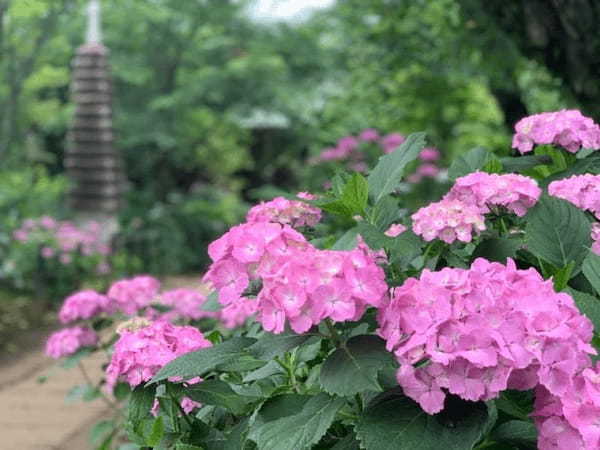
[
  {"x": 429, "y": 154},
  {"x": 566, "y": 128},
  {"x": 103, "y": 268},
  {"x": 20, "y": 235},
  {"x": 414, "y": 178},
  {"x": 391, "y": 141},
  {"x": 186, "y": 304},
  {"x": 133, "y": 294},
  {"x": 369, "y": 135},
  {"x": 48, "y": 222},
  {"x": 347, "y": 144},
  {"x": 48, "y": 252},
  {"x": 85, "y": 305},
  {"x": 395, "y": 230},
  {"x": 142, "y": 351},
  {"x": 65, "y": 258},
  {"x": 428, "y": 170},
  {"x": 68, "y": 340},
  {"x": 359, "y": 167}
]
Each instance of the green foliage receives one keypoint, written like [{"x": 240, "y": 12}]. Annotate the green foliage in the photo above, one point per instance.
[
  {"x": 588, "y": 305},
  {"x": 557, "y": 232},
  {"x": 516, "y": 432},
  {"x": 478, "y": 158},
  {"x": 388, "y": 172},
  {"x": 392, "y": 421},
  {"x": 300, "y": 430},
  {"x": 355, "y": 366}
]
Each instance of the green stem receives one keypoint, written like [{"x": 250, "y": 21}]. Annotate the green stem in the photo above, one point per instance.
[
  {"x": 183, "y": 414},
  {"x": 334, "y": 335}
]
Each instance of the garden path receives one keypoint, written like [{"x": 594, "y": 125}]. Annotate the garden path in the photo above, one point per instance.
[{"x": 36, "y": 416}]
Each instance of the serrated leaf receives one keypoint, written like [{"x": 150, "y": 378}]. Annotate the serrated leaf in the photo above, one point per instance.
[
  {"x": 591, "y": 270},
  {"x": 347, "y": 443},
  {"x": 557, "y": 232},
  {"x": 354, "y": 367},
  {"x": 404, "y": 248},
  {"x": 356, "y": 194},
  {"x": 201, "y": 361},
  {"x": 587, "y": 305},
  {"x": 218, "y": 393},
  {"x": 347, "y": 241},
  {"x": 271, "y": 368},
  {"x": 395, "y": 422},
  {"x": 385, "y": 212},
  {"x": 388, "y": 172},
  {"x": 140, "y": 403},
  {"x": 498, "y": 249},
  {"x": 516, "y": 432},
  {"x": 156, "y": 434},
  {"x": 472, "y": 161},
  {"x": 282, "y": 406},
  {"x": 271, "y": 345},
  {"x": 299, "y": 431}
]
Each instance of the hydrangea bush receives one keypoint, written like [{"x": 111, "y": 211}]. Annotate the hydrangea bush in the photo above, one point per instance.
[{"x": 470, "y": 323}]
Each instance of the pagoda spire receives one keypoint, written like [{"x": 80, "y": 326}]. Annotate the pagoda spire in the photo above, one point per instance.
[{"x": 93, "y": 33}]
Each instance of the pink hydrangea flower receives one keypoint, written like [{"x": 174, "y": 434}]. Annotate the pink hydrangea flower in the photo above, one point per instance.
[
  {"x": 143, "y": 349},
  {"x": 448, "y": 220},
  {"x": 428, "y": 170},
  {"x": 581, "y": 190},
  {"x": 68, "y": 340},
  {"x": 566, "y": 128},
  {"x": 395, "y": 230},
  {"x": 429, "y": 154},
  {"x": 131, "y": 295},
  {"x": 301, "y": 285},
  {"x": 85, "y": 305},
  {"x": 185, "y": 303},
  {"x": 490, "y": 328},
  {"x": 369, "y": 135},
  {"x": 281, "y": 210},
  {"x": 517, "y": 193},
  {"x": 391, "y": 142}
]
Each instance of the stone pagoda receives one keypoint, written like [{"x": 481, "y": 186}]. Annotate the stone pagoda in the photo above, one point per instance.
[{"x": 92, "y": 163}]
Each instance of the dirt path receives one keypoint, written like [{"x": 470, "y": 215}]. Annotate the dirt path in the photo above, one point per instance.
[{"x": 36, "y": 416}]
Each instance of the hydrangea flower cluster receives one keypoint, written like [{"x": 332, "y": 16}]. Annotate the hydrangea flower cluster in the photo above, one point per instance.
[
  {"x": 68, "y": 340},
  {"x": 85, "y": 305},
  {"x": 486, "y": 329},
  {"x": 567, "y": 128},
  {"x": 131, "y": 295},
  {"x": 581, "y": 190},
  {"x": 144, "y": 347},
  {"x": 448, "y": 220},
  {"x": 517, "y": 193},
  {"x": 64, "y": 240},
  {"x": 300, "y": 284},
  {"x": 349, "y": 149},
  {"x": 185, "y": 303},
  {"x": 428, "y": 167},
  {"x": 291, "y": 212}
]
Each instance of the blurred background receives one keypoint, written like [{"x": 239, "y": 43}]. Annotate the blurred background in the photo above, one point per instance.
[{"x": 218, "y": 104}]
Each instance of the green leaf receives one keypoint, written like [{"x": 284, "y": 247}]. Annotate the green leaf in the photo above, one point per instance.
[
  {"x": 591, "y": 270},
  {"x": 348, "y": 240},
  {"x": 524, "y": 163},
  {"x": 557, "y": 232},
  {"x": 282, "y": 406},
  {"x": 562, "y": 276},
  {"x": 182, "y": 446},
  {"x": 140, "y": 403},
  {"x": 71, "y": 361},
  {"x": 588, "y": 305},
  {"x": 299, "y": 431},
  {"x": 404, "y": 248},
  {"x": 388, "y": 172},
  {"x": 385, "y": 212},
  {"x": 201, "y": 361},
  {"x": 374, "y": 238},
  {"x": 515, "y": 404},
  {"x": 347, "y": 443},
  {"x": 212, "y": 303},
  {"x": 271, "y": 368},
  {"x": 218, "y": 393},
  {"x": 271, "y": 345},
  {"x": 516, "y": 432},
  {"x": 472, "y": 161},
  {"x": 100, "y": 431},
  {"x": 354, "y": 367},
  {"x": 157, "y": 433},
  {"x": 82, "y": 392},
  {"x": 395, "y": 422},
  {"x": 498, "y": 249},
  {"x": 356, "y": 194}
]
